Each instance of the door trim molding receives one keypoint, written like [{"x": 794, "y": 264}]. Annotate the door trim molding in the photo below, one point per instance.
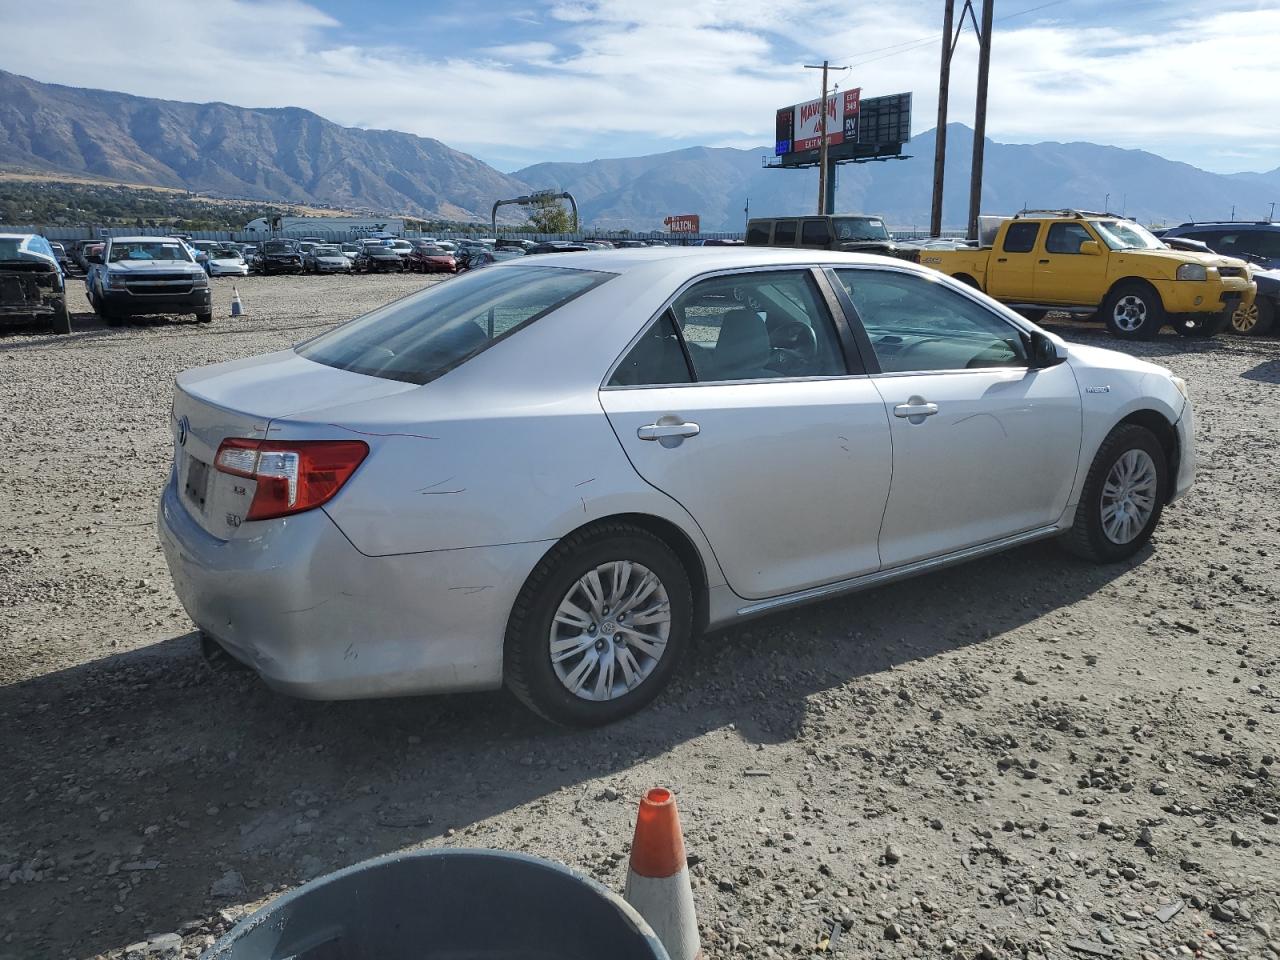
[{"x": 897, "y": 573}]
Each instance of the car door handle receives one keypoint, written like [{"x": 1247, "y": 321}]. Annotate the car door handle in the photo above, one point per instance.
[
  {"x": 665, "y": 431},
  {"x": 915, "y": 407},
  {"x": 1002, "y": 259},
  {"x": 1044, "y": 261}
]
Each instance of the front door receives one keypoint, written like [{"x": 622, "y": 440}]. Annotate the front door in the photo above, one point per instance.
[
  {"x": 1012, "y": 270},
  {"x": 1063, "y": 273},
  {"x": 984, "y": 446},
  {"x": 739, "y": 403}
]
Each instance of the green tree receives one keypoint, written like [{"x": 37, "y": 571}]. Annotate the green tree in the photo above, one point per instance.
[{"x": 548, "y": 215}]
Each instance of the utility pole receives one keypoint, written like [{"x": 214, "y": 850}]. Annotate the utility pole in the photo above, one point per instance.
[
  {"x": 980, "y": 115},
  {"x": 746, "y": 213},
  {"x": 1106, "y": 203},
  {"x": 940, "y": 141},
  {"x": 1272, "y": 215},
  {"x": 823, "y": 172}
]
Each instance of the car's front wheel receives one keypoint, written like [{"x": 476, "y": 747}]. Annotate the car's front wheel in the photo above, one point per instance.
[
  {"x": 1255, "y": 320},
  {"x": 599, "y": 626},
  {"x": 1133, "y": 311},
  {"x": 1123, "y": 497}
]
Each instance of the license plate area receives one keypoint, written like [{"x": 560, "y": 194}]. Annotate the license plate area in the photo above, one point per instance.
[{"x": 196, "y": 486}]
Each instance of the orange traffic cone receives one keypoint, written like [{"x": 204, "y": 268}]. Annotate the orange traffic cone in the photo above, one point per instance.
[
  {"x": 658, "y": 879},
  {"x": 236, "y": 308}
]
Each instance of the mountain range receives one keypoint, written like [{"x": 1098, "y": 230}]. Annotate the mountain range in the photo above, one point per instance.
[{"x": 294, "y": 155}]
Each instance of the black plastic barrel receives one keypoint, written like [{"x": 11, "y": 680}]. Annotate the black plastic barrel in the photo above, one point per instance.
[{"x": 445, "y": 905}]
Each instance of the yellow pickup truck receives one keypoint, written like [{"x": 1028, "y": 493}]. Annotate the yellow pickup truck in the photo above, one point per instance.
[{"x": 1094, "y": 263}]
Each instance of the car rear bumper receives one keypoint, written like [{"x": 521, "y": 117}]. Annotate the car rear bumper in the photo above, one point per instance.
[{"x": 320, "y": 620}]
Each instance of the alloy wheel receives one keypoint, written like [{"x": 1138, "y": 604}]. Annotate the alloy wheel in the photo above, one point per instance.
[
  {"x": 1245, "y": 318},
  {"x": 1129, "y": 497},
  {"x": 610, "y": 630},
  {"x": 1130, "y": 313}
]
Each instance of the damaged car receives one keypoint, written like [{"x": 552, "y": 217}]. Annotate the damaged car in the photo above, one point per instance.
[{"x": 32, "y": 284}]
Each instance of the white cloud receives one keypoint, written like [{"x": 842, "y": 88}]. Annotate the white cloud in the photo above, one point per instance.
[{"x": 656, "y": 74}]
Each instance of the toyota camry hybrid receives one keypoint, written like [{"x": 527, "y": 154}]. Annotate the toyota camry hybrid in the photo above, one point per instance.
[{"x": 551, "y": 473}]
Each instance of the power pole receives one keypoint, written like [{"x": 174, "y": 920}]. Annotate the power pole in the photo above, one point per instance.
[
  {"x": 746, "y": 213},
  {"x": 1271, "y": 216},
  {"x": 940, "y": 142},
  {"x": 822, "y": 133},
  {"x": 980, "y": 116}
]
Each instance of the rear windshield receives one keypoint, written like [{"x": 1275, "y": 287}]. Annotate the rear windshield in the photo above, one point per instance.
[{"x": 427, "y": 334}]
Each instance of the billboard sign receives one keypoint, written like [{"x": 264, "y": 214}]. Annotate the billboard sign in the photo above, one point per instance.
[
  {"x": 800, "y": 127},
  {"x": 683, "y": 223}
]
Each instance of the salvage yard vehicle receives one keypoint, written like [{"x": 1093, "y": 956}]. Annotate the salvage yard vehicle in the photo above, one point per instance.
[
  {"x": 1257, "y": 242},
  {"x": 137, "y": 276},
  {"x": 1096, "y": 263},
  {"x": 481, "y": 483},
  {"x": 32, "y": 284},
  {"x": 378, "y": 258},
  {"x": 226, "y": 262},
  {"x": 852, "y": 233},
  {"x": 1258, "y": 319},
  {"x": 325, "y": 258},
  {"x": 279, "y": 256},
  {"x": 429, "y": 258}
]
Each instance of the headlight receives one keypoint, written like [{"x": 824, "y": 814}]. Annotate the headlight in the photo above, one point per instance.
[
  {"x": 1192, "y": 271},
  {"x": 116, "y": 280},
  {"x": 199, "y": 280},
  {"x": 1182, "y": 387}
]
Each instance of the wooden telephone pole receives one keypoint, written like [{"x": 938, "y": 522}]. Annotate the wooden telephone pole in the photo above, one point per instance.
[{"x": 826, "y": 176}]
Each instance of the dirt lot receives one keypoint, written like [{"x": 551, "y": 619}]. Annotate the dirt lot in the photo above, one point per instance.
[{"x": 1025, "y": 756}]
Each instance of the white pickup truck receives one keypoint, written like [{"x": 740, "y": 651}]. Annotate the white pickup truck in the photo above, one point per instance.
[{"x": 134, "y": 276}]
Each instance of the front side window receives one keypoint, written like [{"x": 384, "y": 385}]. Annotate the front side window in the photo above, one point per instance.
[
  {"x": 758, "y": 326},
  {"x": 424, "y": 336},
  {"x": 1066, "y": 238},
  {"x": 784, "y": 233},
  {"x": 1020, "y": 237},
  {"x": 1260, "y": 243},
  {"x": 918, "y": 324}
]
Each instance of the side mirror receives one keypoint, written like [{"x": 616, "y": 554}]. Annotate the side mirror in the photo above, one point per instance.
[
  {"x": 1091, "y": 248},
  {"x": 1046, "y": 351}
]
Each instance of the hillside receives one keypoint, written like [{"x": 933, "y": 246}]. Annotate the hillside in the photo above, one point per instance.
[
  {"x": 288, "y": 154},
  {"x": 716, "y": 183}
]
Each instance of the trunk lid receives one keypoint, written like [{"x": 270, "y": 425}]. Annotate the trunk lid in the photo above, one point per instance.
[{"x": 242, "y": 399}]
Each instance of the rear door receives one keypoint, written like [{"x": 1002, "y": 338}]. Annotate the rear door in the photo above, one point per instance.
[
  {"x": 742, "y": 402},
  {"x": 984, "y": 446},
  {"x": 1012, "y": 271}
]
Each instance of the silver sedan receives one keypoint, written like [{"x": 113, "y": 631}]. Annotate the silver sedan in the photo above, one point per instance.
[{"x": 553, "y": 472}]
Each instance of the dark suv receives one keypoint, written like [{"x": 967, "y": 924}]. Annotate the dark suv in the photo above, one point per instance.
[
  {"x": 280, "y": 256},
  {"x": 852, "y": 233},
  {"x": 1257, "y": 243}
]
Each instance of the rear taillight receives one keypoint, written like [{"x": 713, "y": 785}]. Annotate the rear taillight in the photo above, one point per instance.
[{"x": 292, "y": 475}]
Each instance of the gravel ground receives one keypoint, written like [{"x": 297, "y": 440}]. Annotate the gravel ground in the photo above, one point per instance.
[{"x": 1024, "y": 756}]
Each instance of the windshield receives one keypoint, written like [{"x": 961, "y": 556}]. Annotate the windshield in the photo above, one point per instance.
[
  {"x": 327, "y": 252},
  {"x": 148, "y": 250},
  {"x": 1126, "y": 235},
  {"x": 860, "y": 228},
  {"x": 226, "y": 253},
  {"x": 421, "y": 337},
  {"x": 278, "y": 246}
]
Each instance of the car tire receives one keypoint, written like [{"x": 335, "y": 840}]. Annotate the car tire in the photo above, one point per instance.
[
  {"x": 1202, "y": 326},
  {"x": 1133, "y": 311},
  {"x": 968, "y": 281},
  {"x": 1035, "y": 316},
  {"x": 1093, "y": 533},
  {"x": 1256, "y": 320},
  {"x": 558, "y": 579},
  {"x": 204, "y": 316},
  {"x": 61, "y": 321}
]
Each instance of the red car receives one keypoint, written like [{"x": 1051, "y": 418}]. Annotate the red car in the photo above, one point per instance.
[{"x": 428, "y": 258}]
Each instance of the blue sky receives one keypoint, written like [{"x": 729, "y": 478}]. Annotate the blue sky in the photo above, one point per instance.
[{"x": 522, "y": 82}]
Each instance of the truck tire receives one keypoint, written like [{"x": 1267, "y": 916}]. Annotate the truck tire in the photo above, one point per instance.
[
  {"x": 1133, "y": 311},
  {"x": 1256, "y": 320},
  {"x": 205, "y": 315},
  {"x": 1035, "y": 316},
  {"x": 968, "y": 281},
  {"x": 61, "y": 322},
  {"x": 1203, "y": 326}
]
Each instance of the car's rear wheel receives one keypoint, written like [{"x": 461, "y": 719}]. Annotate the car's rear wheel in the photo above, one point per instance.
[
  {"x": 1123, "y": 497},
  {"x": 1133, "y": 311},
  {"x": 1255, "y": 320},
  {"x": 599, "y": 626}
]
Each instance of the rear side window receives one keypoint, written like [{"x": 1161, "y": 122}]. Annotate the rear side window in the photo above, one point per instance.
[
  {"x": 657, "y": 358},
  {"x": 424, "y": 336},
  {"x": 784, "y": 233},
  {"x": 1020, "y": 237},
  {"x": 815, "y": 233},
  {"x": 758, "y": 235}
]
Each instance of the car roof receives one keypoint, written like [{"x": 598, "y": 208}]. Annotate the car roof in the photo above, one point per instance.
[
  {"x": 142, "y": 239},
  {"x": 702, "y": 259}
]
